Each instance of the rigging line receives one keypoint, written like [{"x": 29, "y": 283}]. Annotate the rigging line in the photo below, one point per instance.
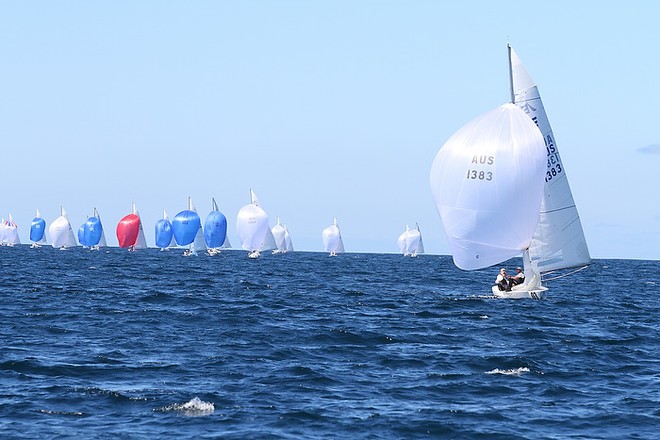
[
  {"x": 559, "y": 209},
  {"x": 566, "y": 274}
]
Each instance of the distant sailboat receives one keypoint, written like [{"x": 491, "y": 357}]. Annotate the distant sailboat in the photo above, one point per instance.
[
  {"x": 164, "y": 234},
  {"x": 332, "y": 240},
  {"x": 130, "y": 232},
  {"x": 253, "y": 229},
  {"x": 9, "y": 232},
  {"x": 410, "y": 242},
  {"x": 187, "y": 228},
  {"x": 282, "y": 238},
  {"x": 91, "y": 232},
  {"x": 287, "y": 240},
  {"x": 38, "y": 231},
  {"x": 215, "y": 229},
  {"x": 60, "y": 232},
  {"x": 501, "y": 190}
]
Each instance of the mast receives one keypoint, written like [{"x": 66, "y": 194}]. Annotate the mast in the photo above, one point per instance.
[{"x": 513, "y": 95}]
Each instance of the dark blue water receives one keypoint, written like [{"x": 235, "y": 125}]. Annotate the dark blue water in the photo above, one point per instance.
[{"x": 155, "y": 345}]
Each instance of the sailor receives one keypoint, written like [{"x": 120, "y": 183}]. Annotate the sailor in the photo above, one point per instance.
[
  {"x": 518, "y": 278},
  {"x": 502, "y": 280}
]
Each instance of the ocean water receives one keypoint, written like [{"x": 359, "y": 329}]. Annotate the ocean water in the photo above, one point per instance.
[{"x": 152, "y": 344}]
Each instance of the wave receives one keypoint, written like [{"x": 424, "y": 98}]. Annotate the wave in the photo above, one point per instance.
[
  {"x": 510, "y": 372},
  {"x": 193, "y": 408}
]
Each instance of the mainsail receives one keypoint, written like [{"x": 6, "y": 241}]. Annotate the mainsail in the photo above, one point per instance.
[{"x": 559, "y": 240}]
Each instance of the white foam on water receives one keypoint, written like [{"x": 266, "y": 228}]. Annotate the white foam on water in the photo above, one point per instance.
[
  {"x": 510, "y": 372},
  {"x": 194, "y": 407}
]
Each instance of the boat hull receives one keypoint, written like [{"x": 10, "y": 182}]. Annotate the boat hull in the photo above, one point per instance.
[{"x": 537, "y": 293}]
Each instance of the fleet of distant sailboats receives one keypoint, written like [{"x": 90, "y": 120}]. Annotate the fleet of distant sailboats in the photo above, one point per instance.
[
  {"x": 187, "y": 232},
  {"x": 499, "y": 185}
]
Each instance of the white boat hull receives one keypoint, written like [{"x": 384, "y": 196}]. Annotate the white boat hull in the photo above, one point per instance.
[{"x": 524, "y": 292}]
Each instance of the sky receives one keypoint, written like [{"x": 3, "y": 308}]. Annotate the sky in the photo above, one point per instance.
[{"x": 324, "y": 108}]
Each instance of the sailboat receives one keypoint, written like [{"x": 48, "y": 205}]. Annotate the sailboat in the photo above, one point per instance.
[
  {"x": 38, "y": 231},
  {"x": 130, "y": 232},
  {"x": 187, "y": 229},
  {"x": 288, "y": 244},
  {"x": 164, "y": 234},
  {"x": 501, "y": 190},
  {"x": 332, "y": 241},
  {"x": 282, "y": 238},
  {"x": 410, "y": 242},
  {"x": 9, "y": 232},
  {"x": 253, "y": 229},
  {"x": 60, "y": 232},
  {"x": 215, "y": 229},
  {"x": 91, "y": 232}
]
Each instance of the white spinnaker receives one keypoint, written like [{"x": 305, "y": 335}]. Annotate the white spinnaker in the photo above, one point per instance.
[
  {"x": 559, "y": 240},
  {"x": 413, "y": 238},
  {"x": 279, "y": 235},
  {"x": 332, "y": 240},
  {"x": 251, "y": 226},
  {"x": 60, "y": 232},
  {"x": 402, "y": 241},
  {"x": 487, "y": 183}
]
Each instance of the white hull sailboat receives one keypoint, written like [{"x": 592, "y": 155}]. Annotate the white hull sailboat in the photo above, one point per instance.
[
  {"x": 61, "y": 233},
  {"x": 253, "y": 229},
  {"x": 410, "y": 242},
  {"x": 9, "y": 232},
  {"x": 332, "y": 241},
  {"x": 501, "y": 190},
  {"x": 282, "y": 238}
]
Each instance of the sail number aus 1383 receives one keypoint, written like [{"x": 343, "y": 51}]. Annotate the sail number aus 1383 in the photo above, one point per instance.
[{"x": 486, "y": 161}]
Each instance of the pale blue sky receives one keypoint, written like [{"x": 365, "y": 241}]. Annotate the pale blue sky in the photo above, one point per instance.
[{"x": 325, "y": 109}]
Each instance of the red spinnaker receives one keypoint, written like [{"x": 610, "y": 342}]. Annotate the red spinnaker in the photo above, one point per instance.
[{"x": 127, "y": 230}]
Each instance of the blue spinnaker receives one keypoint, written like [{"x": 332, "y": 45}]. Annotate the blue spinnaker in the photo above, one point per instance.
[
  {"x": 93, "y": 231},
  {"x": 185, "y": 226},
  {"x": 163, "y": 233},
  {"x": 37, "y": 229},
  {"x": 215, "y": 229}
]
